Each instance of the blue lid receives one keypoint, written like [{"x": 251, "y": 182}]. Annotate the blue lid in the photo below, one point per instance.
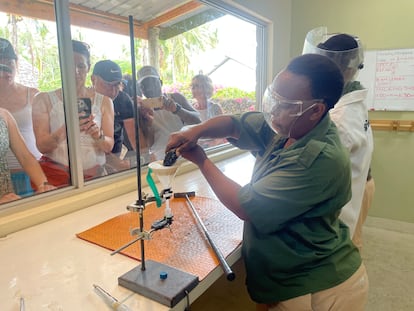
[{"x": 163, "y": 275}]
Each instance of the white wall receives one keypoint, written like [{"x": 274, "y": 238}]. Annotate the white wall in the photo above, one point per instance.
[{"x": 278, "y": 14}]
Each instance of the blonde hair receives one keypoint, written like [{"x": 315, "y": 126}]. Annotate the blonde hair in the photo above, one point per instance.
[{"x": 206, "y": 84}]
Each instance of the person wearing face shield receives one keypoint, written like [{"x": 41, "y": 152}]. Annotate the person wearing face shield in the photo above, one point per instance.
[
  {"x": 350, "y": 115},
  {"x": 298, "y": 255},
  {"x": 173, "y": 113}
]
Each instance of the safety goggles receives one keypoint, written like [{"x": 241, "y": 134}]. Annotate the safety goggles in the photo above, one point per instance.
[{"x": 273, "y": 103}]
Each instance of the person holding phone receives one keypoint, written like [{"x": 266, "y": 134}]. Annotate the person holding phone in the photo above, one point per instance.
[
  {"x": 106, "y": 79},
  {"x": 96, "y": 129},
  {"x": 158, "y": 122}
]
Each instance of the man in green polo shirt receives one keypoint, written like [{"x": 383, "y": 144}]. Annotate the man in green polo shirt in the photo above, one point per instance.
[{"x": 298, "y": 254}]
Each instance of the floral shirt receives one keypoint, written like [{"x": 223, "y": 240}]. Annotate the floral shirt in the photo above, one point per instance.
[{"x": 5, "y": 180}]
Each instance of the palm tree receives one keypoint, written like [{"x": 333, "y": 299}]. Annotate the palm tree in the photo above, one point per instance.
[{"x": 176, "y": 52}]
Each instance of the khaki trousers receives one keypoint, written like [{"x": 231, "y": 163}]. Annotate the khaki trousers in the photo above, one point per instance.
[
  {"x": 366, "y": 204},
  {"x": 349, "y": 295}
]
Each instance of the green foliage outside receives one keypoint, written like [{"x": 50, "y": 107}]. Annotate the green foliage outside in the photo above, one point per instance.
[{"x": 232, "y": 100}]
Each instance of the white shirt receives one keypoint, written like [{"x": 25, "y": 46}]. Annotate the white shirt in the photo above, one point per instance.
[
  {"x": 164, "y": 123},
  {"x": 351, "y": 118},
  {"x": 24, "y": 121},
  {"x": 91, "y": 155}
]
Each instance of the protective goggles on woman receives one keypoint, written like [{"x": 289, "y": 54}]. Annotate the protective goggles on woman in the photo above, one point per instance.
[{"x": 273, "y": 103}]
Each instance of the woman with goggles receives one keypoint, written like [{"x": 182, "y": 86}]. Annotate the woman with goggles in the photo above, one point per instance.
[{"x": 297, "y": 254}]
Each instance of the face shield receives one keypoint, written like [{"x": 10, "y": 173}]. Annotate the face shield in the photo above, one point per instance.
[
  {"x": 349, "y": 61},
  {"x": 275, "y": 105}
]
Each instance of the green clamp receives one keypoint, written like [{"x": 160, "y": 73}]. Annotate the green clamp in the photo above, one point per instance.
[{"x": 153, "y": 187}]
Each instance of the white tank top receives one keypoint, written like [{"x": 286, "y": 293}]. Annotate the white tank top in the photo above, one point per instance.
[
  {"x": 24, "y": 122},
  {"x": 91, "y": 155},
  {"x": 164, "y": 124}
]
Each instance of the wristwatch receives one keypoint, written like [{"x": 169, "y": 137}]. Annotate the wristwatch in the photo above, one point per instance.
[{"x": 177, "y": 108}]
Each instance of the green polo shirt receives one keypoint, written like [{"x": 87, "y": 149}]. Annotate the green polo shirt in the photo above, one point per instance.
[{"x": 294, "y": 242}]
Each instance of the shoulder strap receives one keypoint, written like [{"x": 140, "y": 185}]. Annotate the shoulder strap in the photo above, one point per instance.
[{"x": 98, "y": 99}]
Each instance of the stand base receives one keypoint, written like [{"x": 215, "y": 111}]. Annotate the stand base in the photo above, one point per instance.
[{"x": 168, "y": 291}]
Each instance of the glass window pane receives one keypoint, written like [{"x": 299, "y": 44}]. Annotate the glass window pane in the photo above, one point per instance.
[
  {"x": 103, "y": 135},
  {"x": 28, "y": 64},
  {"x": 206, "y": 55},
  {"x": 212, "y": 65}
]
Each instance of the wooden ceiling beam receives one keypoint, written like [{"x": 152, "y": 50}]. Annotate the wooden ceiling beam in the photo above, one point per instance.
[
  {"x": 173, "y": 14},
  {"x": 79, "y": 16},
  {"x": 94, "y": 19},
  {"x": 102, "y": 21}
]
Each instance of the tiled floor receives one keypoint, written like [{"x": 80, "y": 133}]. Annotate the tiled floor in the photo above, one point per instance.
[
  {"x": 388, "y": 255},
  {"x": 389, "y": 258}
]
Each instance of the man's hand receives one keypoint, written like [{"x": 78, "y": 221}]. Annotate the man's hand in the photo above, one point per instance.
[
  {"x": 147, "y": 113},
  {"x": 169, "y": 103}
]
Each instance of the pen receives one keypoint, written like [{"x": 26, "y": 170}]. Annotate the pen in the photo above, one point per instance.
[{"x": 110, "y": 300}]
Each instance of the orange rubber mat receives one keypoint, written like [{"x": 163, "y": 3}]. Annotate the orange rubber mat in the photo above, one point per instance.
[{"x": 185, "y": 246}]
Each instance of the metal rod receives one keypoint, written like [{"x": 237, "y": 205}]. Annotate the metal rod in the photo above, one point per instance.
[
  {"x": 146, "y": 235},
  {"x": 134, "y": 98},
  {"x": 126, "y": 245},
  {"x": 137, "y": 142},
  {"x": 226, "y": 268}
]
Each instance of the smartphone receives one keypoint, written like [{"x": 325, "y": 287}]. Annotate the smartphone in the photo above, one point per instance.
[
  {"x": 84, "y": 107},
  {"x": 154, "y": 103}
]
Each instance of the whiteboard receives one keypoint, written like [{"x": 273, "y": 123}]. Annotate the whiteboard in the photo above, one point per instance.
[{"x": 389, "y": 77}]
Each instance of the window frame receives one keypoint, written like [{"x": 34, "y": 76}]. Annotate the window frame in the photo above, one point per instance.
[{"x": 29, "y": 211}]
